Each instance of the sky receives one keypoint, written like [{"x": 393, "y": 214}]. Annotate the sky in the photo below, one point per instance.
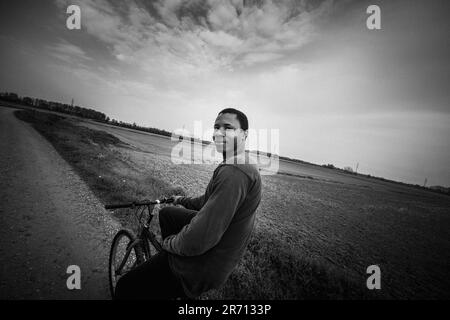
[{"x": 338, "y": 92}]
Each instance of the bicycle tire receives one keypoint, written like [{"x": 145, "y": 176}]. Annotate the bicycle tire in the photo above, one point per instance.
[{"x": 135, "y": 257}]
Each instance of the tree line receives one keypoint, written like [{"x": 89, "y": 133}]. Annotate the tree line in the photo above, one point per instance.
[
  {"x": 84, "y": 112},
  {"x": 55, "y": 106}
]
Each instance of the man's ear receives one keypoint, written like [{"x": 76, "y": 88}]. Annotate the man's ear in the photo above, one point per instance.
[{"x": 246, "y": 134}]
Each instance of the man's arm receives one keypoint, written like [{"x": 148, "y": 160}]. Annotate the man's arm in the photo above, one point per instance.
[
  {"x": 206, "y": 229},
  {"x": 192, "y": 203}
]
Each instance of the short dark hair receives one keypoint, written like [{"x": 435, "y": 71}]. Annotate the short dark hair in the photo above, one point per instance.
[{"x": 240, "y": 116}]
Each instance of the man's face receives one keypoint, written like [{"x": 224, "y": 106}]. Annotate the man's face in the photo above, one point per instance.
[{"x": 228, "y": 134}]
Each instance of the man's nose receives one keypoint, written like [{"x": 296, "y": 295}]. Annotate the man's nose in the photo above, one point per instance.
[{"x": 220, "y": 131}]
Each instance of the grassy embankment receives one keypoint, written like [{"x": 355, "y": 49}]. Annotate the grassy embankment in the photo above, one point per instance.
[{"x": 269, "y": 269}]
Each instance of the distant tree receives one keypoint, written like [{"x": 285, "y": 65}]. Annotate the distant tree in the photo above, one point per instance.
[{"x": 28, "y": 101}]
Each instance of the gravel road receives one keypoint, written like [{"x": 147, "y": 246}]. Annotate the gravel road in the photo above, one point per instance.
[{"x": 49, "y": 220}]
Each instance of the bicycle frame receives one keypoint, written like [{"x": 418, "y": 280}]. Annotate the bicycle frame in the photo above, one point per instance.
[{"x": 146, "y": 236}]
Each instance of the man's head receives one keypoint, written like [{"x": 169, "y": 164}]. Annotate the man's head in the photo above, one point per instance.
[{"x": 230, "y": 131}]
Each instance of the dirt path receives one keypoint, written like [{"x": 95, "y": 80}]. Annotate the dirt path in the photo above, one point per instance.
[{"x": 49, "y": 220}]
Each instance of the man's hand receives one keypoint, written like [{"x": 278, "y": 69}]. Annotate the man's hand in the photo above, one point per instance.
[{"x": 176, "y": 199}]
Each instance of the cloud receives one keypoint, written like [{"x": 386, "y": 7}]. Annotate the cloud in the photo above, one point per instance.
[
  {"x": 68, "y": 52},
  {"x": 205, "y": 34},
  {"x": 254, "y": 58},
  {"x": 220, "y": 39},
  {"x": 188, "y": 48},
  {"x": 167, "y": 11}
]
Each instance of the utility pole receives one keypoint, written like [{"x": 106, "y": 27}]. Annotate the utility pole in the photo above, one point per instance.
[
  {"x": 357, "y": 165},
  {"x": 425, "y": 182},
  {"x": 72, "y": 102}
]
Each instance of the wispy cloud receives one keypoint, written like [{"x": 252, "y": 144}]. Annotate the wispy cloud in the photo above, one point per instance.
[
  {"x": 68, "y": 52},
  {"x": 205, "y": 35}
]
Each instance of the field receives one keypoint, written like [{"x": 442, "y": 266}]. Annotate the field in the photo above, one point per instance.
[{"x": 317, "y": 229}]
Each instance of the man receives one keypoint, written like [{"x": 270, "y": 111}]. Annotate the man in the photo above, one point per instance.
[{"x": 204, "y": 241}]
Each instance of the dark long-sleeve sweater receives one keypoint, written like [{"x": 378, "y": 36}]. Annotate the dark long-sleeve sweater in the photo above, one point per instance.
[{"x": 205, "y": 252}]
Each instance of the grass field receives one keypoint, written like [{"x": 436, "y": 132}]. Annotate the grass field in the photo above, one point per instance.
[{"x": 316, "y": 232}]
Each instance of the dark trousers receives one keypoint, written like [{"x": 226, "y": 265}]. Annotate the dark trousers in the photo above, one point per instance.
[{"x": 153, "y": 279}]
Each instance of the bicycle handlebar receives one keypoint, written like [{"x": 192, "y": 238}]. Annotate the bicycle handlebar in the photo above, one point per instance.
[{"x": 137, "y": 204}]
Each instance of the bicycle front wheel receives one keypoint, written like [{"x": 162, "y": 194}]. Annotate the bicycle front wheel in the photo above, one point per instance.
[{"x": 126, "y": 253}]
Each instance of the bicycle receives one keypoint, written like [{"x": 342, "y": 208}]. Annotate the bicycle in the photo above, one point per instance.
[{"x": 135, "y": 250}]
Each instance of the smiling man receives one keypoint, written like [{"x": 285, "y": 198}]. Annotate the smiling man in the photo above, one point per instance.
[
  {"x": 204, "y": 240},
  {"x": 230, "y": 133}
]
